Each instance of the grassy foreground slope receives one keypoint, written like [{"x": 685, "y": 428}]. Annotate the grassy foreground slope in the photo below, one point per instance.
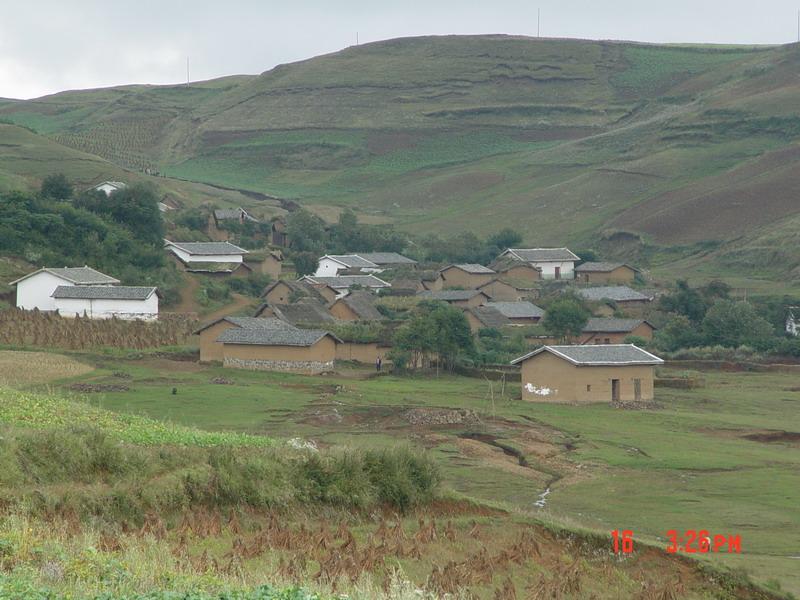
[{"x": 569, "y": 140}]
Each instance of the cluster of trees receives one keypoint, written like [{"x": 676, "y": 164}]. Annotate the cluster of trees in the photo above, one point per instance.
[{"x": 120, "y": 234}]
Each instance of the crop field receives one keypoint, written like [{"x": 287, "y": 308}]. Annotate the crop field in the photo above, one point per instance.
[
  {"x": 722, "y": 457},
  {"x": 17, "y": 368}
]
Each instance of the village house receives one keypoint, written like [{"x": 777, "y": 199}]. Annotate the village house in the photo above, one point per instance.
[
  {"x": 107, "y": 301},
  {"x": 499, "y": 290},
  {"x": 583, "y": 374},
  {"x": 465, "y": 276},
  {"x": 35, "y": 290},
  {"x": 614, "y": 331},
  {"x": 406, "y": 286},
  {"x": 285, "y": 291},
  {"x": 208, "y": 257},
  {"x": 519, "y": 313},
  {"x": 605, "y": 272},
  {"x": 278, "y": 349},
  {"x": 356, "y": 306},
  {"x": 220, "y": 217},
  {"x": 389, "y": 260},
  {"x": 619, "y": 295},
  {"x": 552, "y": 263},
  {"x": 460, "y": 298},
  {"x": 269, "y": 262},
  {"x": 515, "y": 272},
  {"x": 485, "y": 317},
  {"x": 278, "y": 233},
  {"x": 344, "y": 283},
  {"x": 211, "y": 349},
  {"x": 304, "y": 312},
  {"x": 331, "y": 265}
]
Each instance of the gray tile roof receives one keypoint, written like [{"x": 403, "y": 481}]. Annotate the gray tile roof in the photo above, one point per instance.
[
  {"x": 301, "y": 287},
  {"x": 449, "y": 295},
  {"x": 597, "y": 355},
  {"x": 617, "y": 293},
  {"x": 472, "y": 268},
  {"x": 387, "y": 258},
  {"x": 363, "y": 304},
  {"x": 348, "y": 281},
  {"x": 250, "y": 323},
  {"x": 601, "y": 267},
  {"x": 612, "y": 325},
  {"x": 224, "y": 214},
  {"x": 208, "y": 248},
  {"x": 353, "y": 261},
  {"x": 542, "y": 254},
  {"x": 273, "y": 337},
  {"x": 76, "y": 275},
  {"x": 490, "y": 317},
  {"x": 518, "y": 310},
  {"x": 103, "y": 292},
  {"x": 306, "y": 311}
]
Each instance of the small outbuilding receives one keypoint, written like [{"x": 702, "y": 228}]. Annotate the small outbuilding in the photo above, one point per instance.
[
  {"x": 611, "y": 330},
  {"x": 519, "y": 313},
  {"x": 583, "y": 374},
  {"x": 356, "y": 306},
  {"x": 605, "y": 272},
  {"x": 460, "y": 298},
  {"x": 465, "y": 276}
]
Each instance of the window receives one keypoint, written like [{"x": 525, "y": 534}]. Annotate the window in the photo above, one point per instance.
[
  {"x": 588, "y": 388},
  {"x": 608, "y": 340}
]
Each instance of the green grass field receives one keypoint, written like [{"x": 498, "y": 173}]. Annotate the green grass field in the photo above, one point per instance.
[{"x": 684, "y": 466}]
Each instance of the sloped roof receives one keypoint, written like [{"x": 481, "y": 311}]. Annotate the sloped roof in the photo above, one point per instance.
[
  {"x": 274, "y": 337},
  {"x": 387, "y": 258},
  {"x": 490, "y": 317},
  {"x": 352, "y": 261},
  {"x": 207, "y": 248},
  {"x": 597, "y": 355},
  {"x": 363, "y": 304},
  {"x": 505, "y": 262},
  {"x": 612, "y": 325},
  {"x": 617, "y": 293},
  {"x": 249, "y": 323},
  {"x": 601, "y": 267},
  {"x": 306, "y": 311},
  {"x": 223, "y": 214},
  {"x": 472, "y": 268},
  {"x": 450, "y": 295},
  {"x": 76, "y": 275},
  {"x": 103, "y": 292},
  {"x": 301, "y": 287},
  {"x": 348, "y": 281},
  {"x": 541, "y": 254},
  {"x": 518, "y": 310}
]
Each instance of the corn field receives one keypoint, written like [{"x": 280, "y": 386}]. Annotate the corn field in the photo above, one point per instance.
[{"x": 43, "y": 329}]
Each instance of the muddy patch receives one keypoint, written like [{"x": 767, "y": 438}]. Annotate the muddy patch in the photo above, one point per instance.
[{"x": 774, "y": 437}]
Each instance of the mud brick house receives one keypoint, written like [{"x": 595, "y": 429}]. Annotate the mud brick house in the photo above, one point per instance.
[
  {"x": 211, "y": 349},
  {"x": 356, "y": 306},
  {"x": 519, "y": 313},
  {"x": 619, "y": 295},
  {"x": 485, "y": 317},
  {"x": 306, "y": 311},
  {"x": 552, "y": 263},
  {"x": 499, "y": 290},
  {"x": 614, "y": 331},
  {"x": 278, "y": 233},
  {"x": 460, "y": 298},
  {"x": 267, "y": 263},
  {"x": 343, "y": 283},
  {"x": 584, "y": 374},
  {"x": 285, "y": 291},
  {"x": 605, "y": 272},
  {"x": 465, "y": 276},
  {"x": 516, "y": 272}
]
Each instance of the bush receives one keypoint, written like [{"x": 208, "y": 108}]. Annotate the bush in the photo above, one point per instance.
[{"x": 404, "y": 478}]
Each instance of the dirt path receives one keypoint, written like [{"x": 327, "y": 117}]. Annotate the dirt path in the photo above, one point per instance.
[
  {"x": 239, "y": 302},
  {"x": 188, "y": 304}
]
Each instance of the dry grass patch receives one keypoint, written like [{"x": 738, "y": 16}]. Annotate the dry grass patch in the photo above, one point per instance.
[{"x": 31, "y": 368}]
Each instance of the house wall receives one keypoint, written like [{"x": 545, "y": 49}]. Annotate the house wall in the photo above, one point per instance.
[
  {"x": 524, "y": 321},
  {"x": 36, "y": 291},
  {"x": 476, "y": 300},
  {"x": 549, "y": 269},
  {"x": 328, "y": 268},
  {"x": 210, "y": 348},
  {"x": 327, "y": 292},
  {"x": 501, "y": 291},
  {"x": 643, "y": 330},
  {"x": 524, "y": 273},
  {"x": 558, "y": 380},
  {"x": 301, "y": 359},
  {"x": 269, "y": 266},
  {"x": 279, "y": 294},
  {"x": 146, "y": 310},
  {"x": 621, "y": 275},
  {"x": 363, "y": 353},
  {"x": 456, "y": 278},
  {"x": 341, "y": 311},
  {"x": 190, "y": 258}
]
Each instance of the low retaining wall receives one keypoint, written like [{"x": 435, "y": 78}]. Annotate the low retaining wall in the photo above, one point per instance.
[
  {"x": 290, "y": 366},
  {"x": 732, "y": 366}
]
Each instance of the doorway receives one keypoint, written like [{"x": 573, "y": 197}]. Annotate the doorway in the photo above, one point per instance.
[
  {"x": 637, "y": 389},
  {"x": 615, "y": 390},
  {"x": 558, "y": 272}
]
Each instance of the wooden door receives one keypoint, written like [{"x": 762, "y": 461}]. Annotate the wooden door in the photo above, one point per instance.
[{"x": 615, "y": 390}]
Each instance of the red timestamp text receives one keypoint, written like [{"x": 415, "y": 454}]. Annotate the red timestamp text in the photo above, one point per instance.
[{"x": 690, "y": 541}]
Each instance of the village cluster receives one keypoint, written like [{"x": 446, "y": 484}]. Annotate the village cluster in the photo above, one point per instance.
[{"x": 290, "y": 330}]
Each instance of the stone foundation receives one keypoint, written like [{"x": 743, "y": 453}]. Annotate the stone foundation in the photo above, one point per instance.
[{"x": 292, "y": 366}]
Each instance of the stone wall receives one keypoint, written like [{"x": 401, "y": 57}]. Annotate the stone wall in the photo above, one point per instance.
[{"x": 295, "y": 366}]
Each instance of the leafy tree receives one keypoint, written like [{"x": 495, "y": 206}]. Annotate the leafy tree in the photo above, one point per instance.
[
  {"x": 56, "y": 187},
  {"x": 732, "y": 324},
  {"x": 685, "y": 301},
  {"x": 586, "y": 256},
  {"x": 565, "y": 318},
  {"x": 504, "y": 239},
  {"x": 438, "y": 329},
  {"x": 307, "y": 232},
  {"x": 305, "y": 263}
]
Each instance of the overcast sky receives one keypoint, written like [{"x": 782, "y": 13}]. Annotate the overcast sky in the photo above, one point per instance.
[{"x": 53, "y": 45}]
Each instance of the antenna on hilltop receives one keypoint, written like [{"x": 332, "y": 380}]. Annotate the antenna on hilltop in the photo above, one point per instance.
[
  {"x": 538, "y": 21},
  {"x": 798, "y": 24},
  {"x": 356, "y": 38},
  {"x": 187, "y": 71}
]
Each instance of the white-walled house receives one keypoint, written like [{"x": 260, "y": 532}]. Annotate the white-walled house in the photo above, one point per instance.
[
  {"x": 206, "y": 252},
  {"x": 554, "y": 263},
  {"x": 105, "y": 302},
  {"x": 331, "y": 265},
  {"x": 35, "y": 290}
]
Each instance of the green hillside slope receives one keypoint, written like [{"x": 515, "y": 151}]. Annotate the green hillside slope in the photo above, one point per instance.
[{"x": 567, "y": 140}]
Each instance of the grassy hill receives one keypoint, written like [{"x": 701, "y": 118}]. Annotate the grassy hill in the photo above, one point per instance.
[{"x": 568, "y": 140}]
